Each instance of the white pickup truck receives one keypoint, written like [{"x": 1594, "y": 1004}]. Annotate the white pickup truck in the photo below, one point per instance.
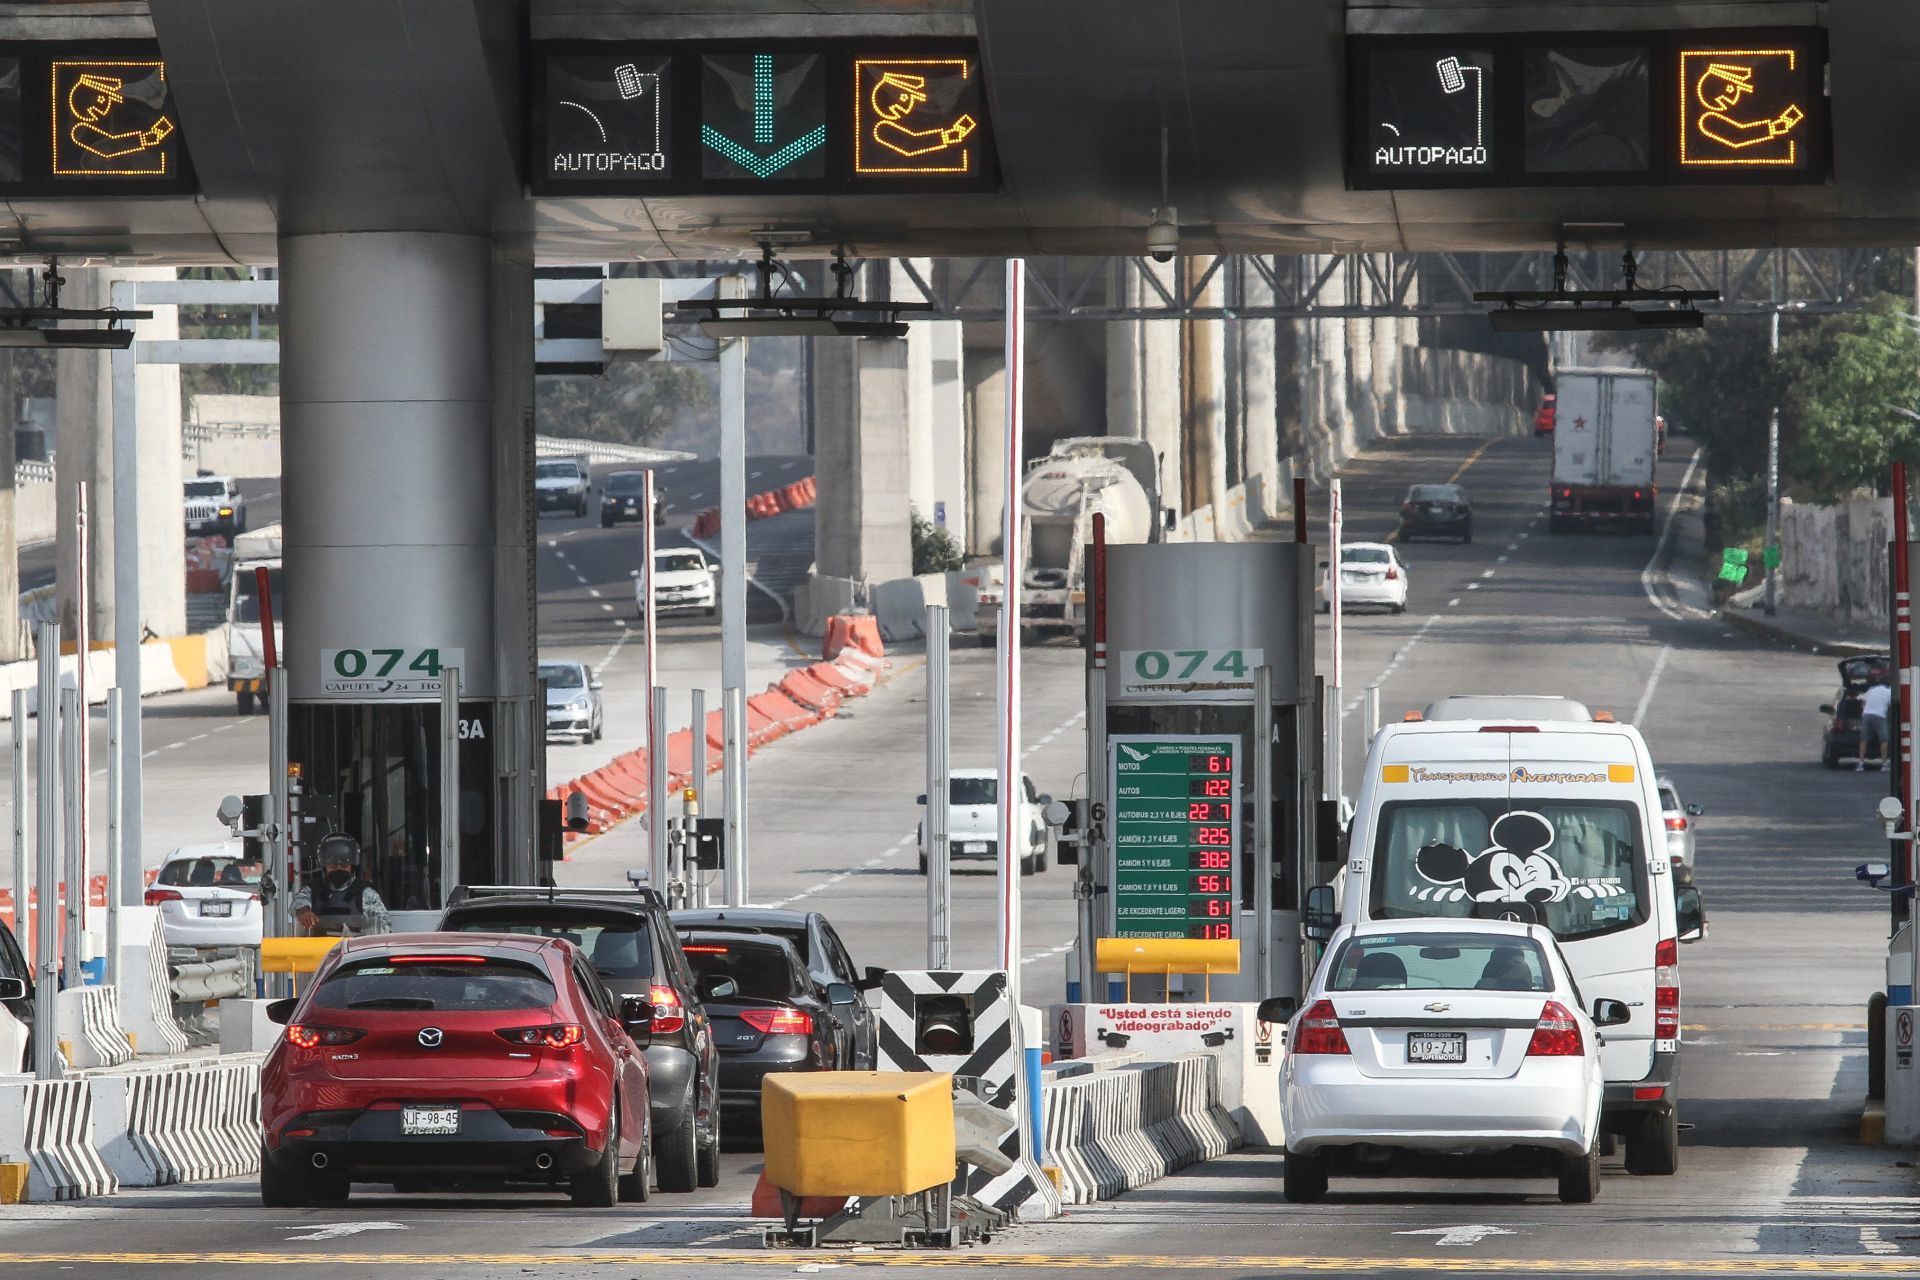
[{"x": 246, "y": 656}]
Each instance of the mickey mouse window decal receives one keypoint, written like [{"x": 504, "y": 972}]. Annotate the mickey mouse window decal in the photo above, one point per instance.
[{"x": 1514, "y": 878}]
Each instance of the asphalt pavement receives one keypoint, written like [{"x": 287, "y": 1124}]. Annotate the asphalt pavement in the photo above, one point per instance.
[{"x": 1771, "y": 1177}]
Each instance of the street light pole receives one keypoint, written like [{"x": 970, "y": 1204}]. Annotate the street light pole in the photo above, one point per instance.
[{"x": 1773, "y": 468}]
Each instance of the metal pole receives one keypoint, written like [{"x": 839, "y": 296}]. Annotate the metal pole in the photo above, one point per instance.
[
  {"x": 939, "y": 794},
  {"x": 733, "y": 592},
  {"x": 1012, "y": 543},
  {"x": 1372, "y": 711},
  {"x": 733, "y": 709},
  {"x": 126, "y": 602},
  {"x": 115, "y": 711},
  {"x": 1263, "y": 829},
  {"x": 1093, "y": 846},
  {"x": 1904, "y": 855},
  {"x": 1773, "y": 460},
  {"x": 1336, "y": 717},
  {"x": 449, "y": 781},
  {"x": 74, "y": 886},
  {"x": 659, "y": 874},
  {"x": 699, "y": 784},
  {"x": 80, "y": 744},
  {"x": 656, "y": 723},
  {"x": 22, "y": 877},
  {"x": 282, "y": 835},
  {"x": 46, "y": 921}
]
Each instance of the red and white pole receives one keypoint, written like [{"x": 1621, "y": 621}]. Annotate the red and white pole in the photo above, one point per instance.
[
  {"x": 1908, "y": 784},
  {"x": 1013, "y": 551},
  {"x": 1336, "y": 725}
]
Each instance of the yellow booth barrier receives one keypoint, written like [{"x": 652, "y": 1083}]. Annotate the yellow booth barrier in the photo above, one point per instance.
[
  {"x": 294, "y": 956},
  {"x": 858, "y": 1133},
  {"x": 1166, "y": 957}
]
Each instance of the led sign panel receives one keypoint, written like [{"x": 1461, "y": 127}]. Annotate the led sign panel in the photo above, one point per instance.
[
  {"x": 1176, "y": 836},
  {"x": 112, "y": 119},
  {"x": 1587, "y": 109},
  {"x": 738, "y": 116}
]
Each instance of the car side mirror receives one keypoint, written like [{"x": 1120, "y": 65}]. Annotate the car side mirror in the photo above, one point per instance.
[
  {"x": 593, "y": 684},
  {"x": 1321, "y": 917},
  {"x": 872, "y": 978},
  {"x": 13, "y": 989},
  {"x": 280, "y": 1012},
  {"x": 718, "y": 987},
  {"x": 841, "y": 993},
  {"x": 1690, "y": 914},
  {"x": 636, "y": 1014},
  {"x": 1695, "y": 811},
  {"x": 1277, "y": 1009},
  {"x": 1611, "y": 1013},
  {"x": 1826, "y": 709},
  {"x": 921, "y": 798}
]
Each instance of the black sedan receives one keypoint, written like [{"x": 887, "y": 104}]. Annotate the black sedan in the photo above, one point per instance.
[
  {"x": 624, "y": 499},
  {"x": 1840, "y": 732},
  {"x": 1436, "y": 511},
  {"x": 768, "y": 1017}
]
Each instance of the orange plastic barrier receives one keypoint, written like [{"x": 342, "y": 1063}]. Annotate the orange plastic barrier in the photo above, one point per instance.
[
  {"x": 783, "y": 710},
  {"x": 858, "y": 631},
  {"x": 795, "y": 496},
  {"x": 761, "y": 727},
  {"x": 823, "y": 699},
  {"x": 837, "y": 680},
  {"x": 680, "y": 753},
  {"x": 203, "y": 582}
]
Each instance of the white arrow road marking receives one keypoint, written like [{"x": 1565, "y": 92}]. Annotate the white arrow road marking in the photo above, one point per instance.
[
  {"x": 1459, "y": 1235},
  {"x": 334, "y": 1230}
]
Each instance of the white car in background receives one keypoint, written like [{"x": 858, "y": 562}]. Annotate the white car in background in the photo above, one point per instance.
[
  {"x": 973, "y": 817},
  {"x": 682, "y": 579},
  {"x": 1426, "y": 1039},
  {"x": 208, "y": 896},
  {"x": 1371, "y": 573},
  {"x": 560, "y": 484}
]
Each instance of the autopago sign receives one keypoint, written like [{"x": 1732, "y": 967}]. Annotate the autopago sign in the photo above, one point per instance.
[{"x": 388, "y": 671}]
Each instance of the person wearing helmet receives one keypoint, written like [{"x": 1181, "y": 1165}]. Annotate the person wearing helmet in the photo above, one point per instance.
[{"x": 337, "y": 899}]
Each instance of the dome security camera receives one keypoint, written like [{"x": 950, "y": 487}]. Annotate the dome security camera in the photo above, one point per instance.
[{"x": 1163, "y": 235}]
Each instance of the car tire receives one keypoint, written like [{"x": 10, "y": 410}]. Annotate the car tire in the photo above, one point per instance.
[
  {"x": 710, "y": 610},
  {"x": 1467, "y": 537},
  {"x": 1399, "y": 608},
  {"x": 709, "y": 1171},
  {"x": 600, "y": 1186},
  {"x": 1829, "y": 757},
  {"x": 1580, "y": 1177},
  {"x": 1026, "y": 865},
  {"x": 244, "y": 701},
  {"x": 923, "y": 862},
  {"x": 606, "y": 522},
  {"x": 1555, "y": 526},
  {"x": 677, "y": 1151},
  {"x": 1304, "y": 1179},
  {"x": 1653, "y": 1144},
  {"x": 292, "y": 1189},
  {"x": 637, "y": 1187}
]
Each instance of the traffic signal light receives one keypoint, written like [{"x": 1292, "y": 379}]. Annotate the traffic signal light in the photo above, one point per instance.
[{"x": 710, "y": 843}]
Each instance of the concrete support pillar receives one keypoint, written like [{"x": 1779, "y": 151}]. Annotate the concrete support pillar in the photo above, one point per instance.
[
  {"x": 84, "y": 432},
  {"x": 1143, "y": 382},
  {"x": 1203, "y": 392},
  {"x": 947, "y": 425},
  {"x": 13, "y": 635},
  {"x": 406, "y": 420},
  {"x": 1256, "y": 372},
  {"x": 861, "y": 458},
  {"x": 986, "y": 381}
]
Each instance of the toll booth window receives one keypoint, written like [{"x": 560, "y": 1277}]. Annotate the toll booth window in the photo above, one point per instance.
[
  {"x": 1429, "y": 112},
  {"x": 763, "y": 116},
  {"x": 608, "y": 116},
  {"x": 1588, "y": 110}
]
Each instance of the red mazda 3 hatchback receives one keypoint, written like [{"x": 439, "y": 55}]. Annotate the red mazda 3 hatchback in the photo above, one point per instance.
[{"x": 465, "y": 1058}]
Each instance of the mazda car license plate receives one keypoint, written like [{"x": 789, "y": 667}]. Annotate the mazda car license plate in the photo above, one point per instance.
[
  {"x": 216, "y": 908},
  {"x": 1437, "y": 1046},
  {"x": 430, "y": 1120}
]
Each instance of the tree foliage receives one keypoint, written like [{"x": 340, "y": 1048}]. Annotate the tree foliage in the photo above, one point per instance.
[
  {"x": 628, "y": 404},
  {"x": 935, "y": 550}
]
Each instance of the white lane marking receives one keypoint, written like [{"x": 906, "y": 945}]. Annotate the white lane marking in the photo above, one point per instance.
[
  {"x": 594, "y": 592},
  {"x": 1651, "y": 573},
  {"x": 1487, "y": 574},
  {"x": 334, "y": 1230},
  {"x": 1459, "y": 1236},
  {"x": 1048, "y": 954},
  {"x": 1653, "y": 682},
  {"x": 607, "y": 608},
  {"x": 581, "y": 578},
  {"x": 1473, "y": 586},
  {"x": 1514, "y": 546},
  {"x": 1451, "y": 603},
  {"x": 1500, "y": 560},
  {"x": 1873, "y": 1242}
]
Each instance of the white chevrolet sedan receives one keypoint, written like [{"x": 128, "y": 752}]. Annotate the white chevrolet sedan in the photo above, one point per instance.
[
  {"x": 1423, "y": 1040},
  {"x": 1372, "y": 574}
]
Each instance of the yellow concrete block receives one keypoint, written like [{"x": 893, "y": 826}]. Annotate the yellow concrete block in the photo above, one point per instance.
[
  {"x": 13, "y": 1183},
  {"x": 294, "y": 955},
  {"x": 1167, "y": 955},
  {"x": 66, "y": 1050},
  {"x": 858, "y": 1133},
  {"x": 190, "y": 659},
  {"x": 1873, "y": 1124}
]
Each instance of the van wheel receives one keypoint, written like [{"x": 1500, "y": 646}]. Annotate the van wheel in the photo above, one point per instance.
[
  {"x": 1304, "y": 1179},
  {"x": 1653, "y": 1143},
  {"x": 1580, "y": 1177}
]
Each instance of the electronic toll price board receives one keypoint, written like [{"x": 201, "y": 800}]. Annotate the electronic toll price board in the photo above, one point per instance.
[
  {"x": 753, "y": 116},
  {"x": 1176, "y": 835},
  {"x": 1649, "y": 108}
]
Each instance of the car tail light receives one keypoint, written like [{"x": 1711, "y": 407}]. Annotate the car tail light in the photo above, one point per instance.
[
  {"x": 703, "y": 949},
  {"x": 436, "y": 959},
  {"x": 779, "y": 1022},
  {"x": 1556, "y": 1035},
  {"x": 1649, "y": 1093},
  {"x": 157, "y": 896},
  {"x": 1319, "y": 1031},
  {"x": 1636, "y": 494},
  {"x": 1676, "y": 824},
  {"x": 669, "y": 1011},
  {"x": 1566, "y": 493},
  {"x": 559, "y": 1035},
  {"x": 1393, "y": 575},
  {"x": 1666, "y": 990},
  {"x": 304, "y": 1036}
]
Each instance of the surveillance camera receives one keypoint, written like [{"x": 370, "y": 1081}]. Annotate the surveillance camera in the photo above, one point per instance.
[
  {"x": 1163, "y": 235},
  {"x": 1891, "y": 809}
]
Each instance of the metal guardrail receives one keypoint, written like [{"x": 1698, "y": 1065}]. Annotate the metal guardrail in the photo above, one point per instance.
[
  {"x": 607, "y": 451},
  {"x": 26, "y": 471}
]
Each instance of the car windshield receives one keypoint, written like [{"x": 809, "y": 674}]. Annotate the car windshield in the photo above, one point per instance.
[
  {"x": 974, "y": 790},
  {"x": 561, "y": 675},
  {"x": 437, "y": 983},
  {"x": 1433, "y": 493},
  {"x": 1572, "y": 865},
  {"x": 761, "y": 972},
  {"x": 206, "y": 489},
  {"x": 1365, "y": 555},
  {"x": 679, "y": 562},
  {"x": 627, "y": 482},
  {"x": 1439, "y": 961},
  {"x": 618, "y": 947},
  {"x": 556, "y": 471},
  {"x": 246, "y": 602},
  {"x": 214, "y": 869}
]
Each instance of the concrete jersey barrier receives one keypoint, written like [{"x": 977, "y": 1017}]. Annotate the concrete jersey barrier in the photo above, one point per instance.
[
  {"x": 1110, "y": 1131},
  {"x": 48, "y": 1124},
  {"x": 192, "y": 1123}
]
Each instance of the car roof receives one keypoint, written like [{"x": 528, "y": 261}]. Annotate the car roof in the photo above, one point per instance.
[
  {"x": 516, "y": 945},
  {"x": 1443, "y": 924},
  {"x": 745, "y": 917},
  {"x": 528, "y": 901},
  {"x": 1371, "y": 546},
  {"x": 1523, "y": 706},
  {"x": 972, "y": 773},
  {"x": 221, "y": 849}
]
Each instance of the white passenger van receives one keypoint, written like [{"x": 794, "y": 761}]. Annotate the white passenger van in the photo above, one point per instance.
[{"x": 1555, "y": 822}]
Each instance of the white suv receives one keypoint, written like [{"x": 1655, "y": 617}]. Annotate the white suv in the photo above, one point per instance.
[
  {"x": 561, "y": 484},
  {"x": 214, "y": 506},
  {"x": 973, "y": 820}
]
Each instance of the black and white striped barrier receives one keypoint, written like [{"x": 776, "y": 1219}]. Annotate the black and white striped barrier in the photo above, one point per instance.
[
  {"x": 994, "y": 1060},
  {"x": 87, "y": 1020},
  {"x": 49, "y": 1126},
  {"x": 1250, "y": 1051},
  {"x": 1110, "y": 1131},
  {"x": 185, "y": 1122}
]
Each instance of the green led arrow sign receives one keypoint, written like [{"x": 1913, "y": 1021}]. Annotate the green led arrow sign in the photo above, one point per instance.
[{"x": 788, "y": 89}]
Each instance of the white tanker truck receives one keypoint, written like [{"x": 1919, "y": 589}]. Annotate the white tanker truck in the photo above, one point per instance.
[{"x": 1087, "y": 475}]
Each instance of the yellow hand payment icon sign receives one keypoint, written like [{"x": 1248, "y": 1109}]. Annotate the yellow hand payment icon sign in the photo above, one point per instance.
[
  {"x": 112, "y": 119},
  {"x": 915, "y": 116},
  {"x": 1741, "y": 108}
]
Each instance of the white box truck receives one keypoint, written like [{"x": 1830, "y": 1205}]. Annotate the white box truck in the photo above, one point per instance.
[{"x": 1604, "y": 445}]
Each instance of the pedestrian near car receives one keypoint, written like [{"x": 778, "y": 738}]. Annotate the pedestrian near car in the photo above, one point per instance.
[{"x": 1874, "y": 705}]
